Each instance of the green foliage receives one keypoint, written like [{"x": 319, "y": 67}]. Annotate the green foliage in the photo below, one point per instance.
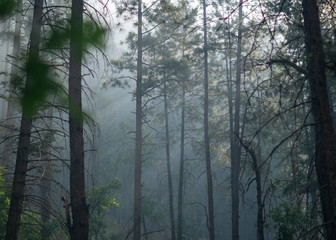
[
  {"x": 288, "y": 221},
  {"x": 42, "y": 82},
  {"x": 31, "y": 226},
  {"x": 151, "y": 209},
  {"x": 41, "y": 85},
  {"x": 93, "y": 35},
  {"x": 6, "y": 7},
  {"x": 30, "y": 221},
  {"x": 4, "y": 203},
  {"x": 100, "y": 196},
  {"x": 101, "y": 200}
]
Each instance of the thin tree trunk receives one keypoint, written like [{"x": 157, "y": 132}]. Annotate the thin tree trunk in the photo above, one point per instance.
[
  {"x": 257, "y": 169},
  {"x": 45, "y": 190},
  {"x": 170, "y": 185},
  {"x": 3, "y": 158},
  {"x": 325, "y": 152},
  {"x": 230, "y": 103},
  {"x": 45, "y": 195},
  {"x": 181, "y": 175},
  {"x": 260, "y": 217},
  {"x": 231, "y": 117},
  {"x": 144, "y": 227},
  {"x": 79, "y": 208},
  {"x": 138, "y": 133},
  {"x": 229, "y": 86},
  {"x": 45, "y": 184},
  {"x": 211, "y": 220},
  {"x": 312, "y": 214},
  {"x": 20, "y": 173},
  {"x": 235, "y": 158}
]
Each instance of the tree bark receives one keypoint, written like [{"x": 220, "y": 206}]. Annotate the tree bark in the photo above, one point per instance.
[
  {"x": 181, "y": 175},
  {"x": 236, "y": 150},
  {"x": 45, "y": 195},
  {"x": 228, "y": 61},
  {"x": 79, "y": 208},
  {"x": 45, "y": 182},
  {"x": 20, "y": 173},
  {"x": 260, "y": 217},
  {"x": 170, "y": 185},
  {"x": 211, "y": 220},
  {"x": 325, "y": 141},
  {"x": 138, "y": 134},
  {"x": 312, "y": 196}
]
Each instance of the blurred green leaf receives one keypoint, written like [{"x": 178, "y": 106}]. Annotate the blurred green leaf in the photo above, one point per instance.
[
  {"x": 58, "y": 38},
  {"x": 38, "y": 86},
  {"x": 4, "y": 201},
  {"x": 93, "y": 34},
  {"x": 40, "y": 82},
  {"x": 6, "y": 7}
]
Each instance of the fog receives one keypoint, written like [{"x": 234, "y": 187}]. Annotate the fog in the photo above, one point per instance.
[{"x": 196, "y": 120}]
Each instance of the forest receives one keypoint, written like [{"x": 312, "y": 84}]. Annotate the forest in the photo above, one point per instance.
[{"x": 167, "y": 119}]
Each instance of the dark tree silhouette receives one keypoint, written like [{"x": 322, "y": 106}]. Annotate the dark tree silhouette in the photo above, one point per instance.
[
  {"x": 325, "y": 140},
  {"x": 80, "y": 212}
]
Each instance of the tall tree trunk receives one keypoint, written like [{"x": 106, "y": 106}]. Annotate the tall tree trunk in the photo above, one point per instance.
[
  {"x": 20, "y": 173},
  {"x": 170, "y": 185},
  {"x": 144, "y": 227},
  {"x": 211, "y": 220},
  {"x": 228, "y": 61},
  {"x": 138, "y": 133},
  {"x": 45, "y": 181},
  {"x": 236, "y": 151},
  {"x": 260, "y": 217},
  {"x": 3, "y": 102},
  {"x": 181, "y": 175},
  {"x": 312, "y": 197},
  {"x": 230, "y": 103},
  {"x": 11, "y": 106},
  {"x": 257, "y": 171},
  {"x": 325, "y": 152},
  {"x": 45, "y": 195},
  {"x": 79, "y": 208}
]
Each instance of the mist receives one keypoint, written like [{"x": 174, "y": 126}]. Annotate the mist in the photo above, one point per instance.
[{"x": 167, "y": 120}]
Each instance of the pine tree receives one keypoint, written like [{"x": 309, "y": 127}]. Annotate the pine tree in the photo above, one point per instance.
[
  {"x": 80, "y": 213},
  {"x": 325, "y": 139},
  {"x": 21, "y": 165}
]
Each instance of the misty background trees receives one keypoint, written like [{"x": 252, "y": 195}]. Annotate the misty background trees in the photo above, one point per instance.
[{"x": 167, "y": 119}]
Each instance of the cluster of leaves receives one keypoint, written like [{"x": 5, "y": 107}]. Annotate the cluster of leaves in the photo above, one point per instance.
[
  {"x": 31, "y": 221},
  {"x": 4, "y": 203},
  {"x": 43, "y": 82},
  {"x": 101, "y": 199},
  {"x": 288, "y": 220},
  {"x": 41, "y": 85},
  {"x": 6, "y": 7},
  {"x": 31, "y": 226}
]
